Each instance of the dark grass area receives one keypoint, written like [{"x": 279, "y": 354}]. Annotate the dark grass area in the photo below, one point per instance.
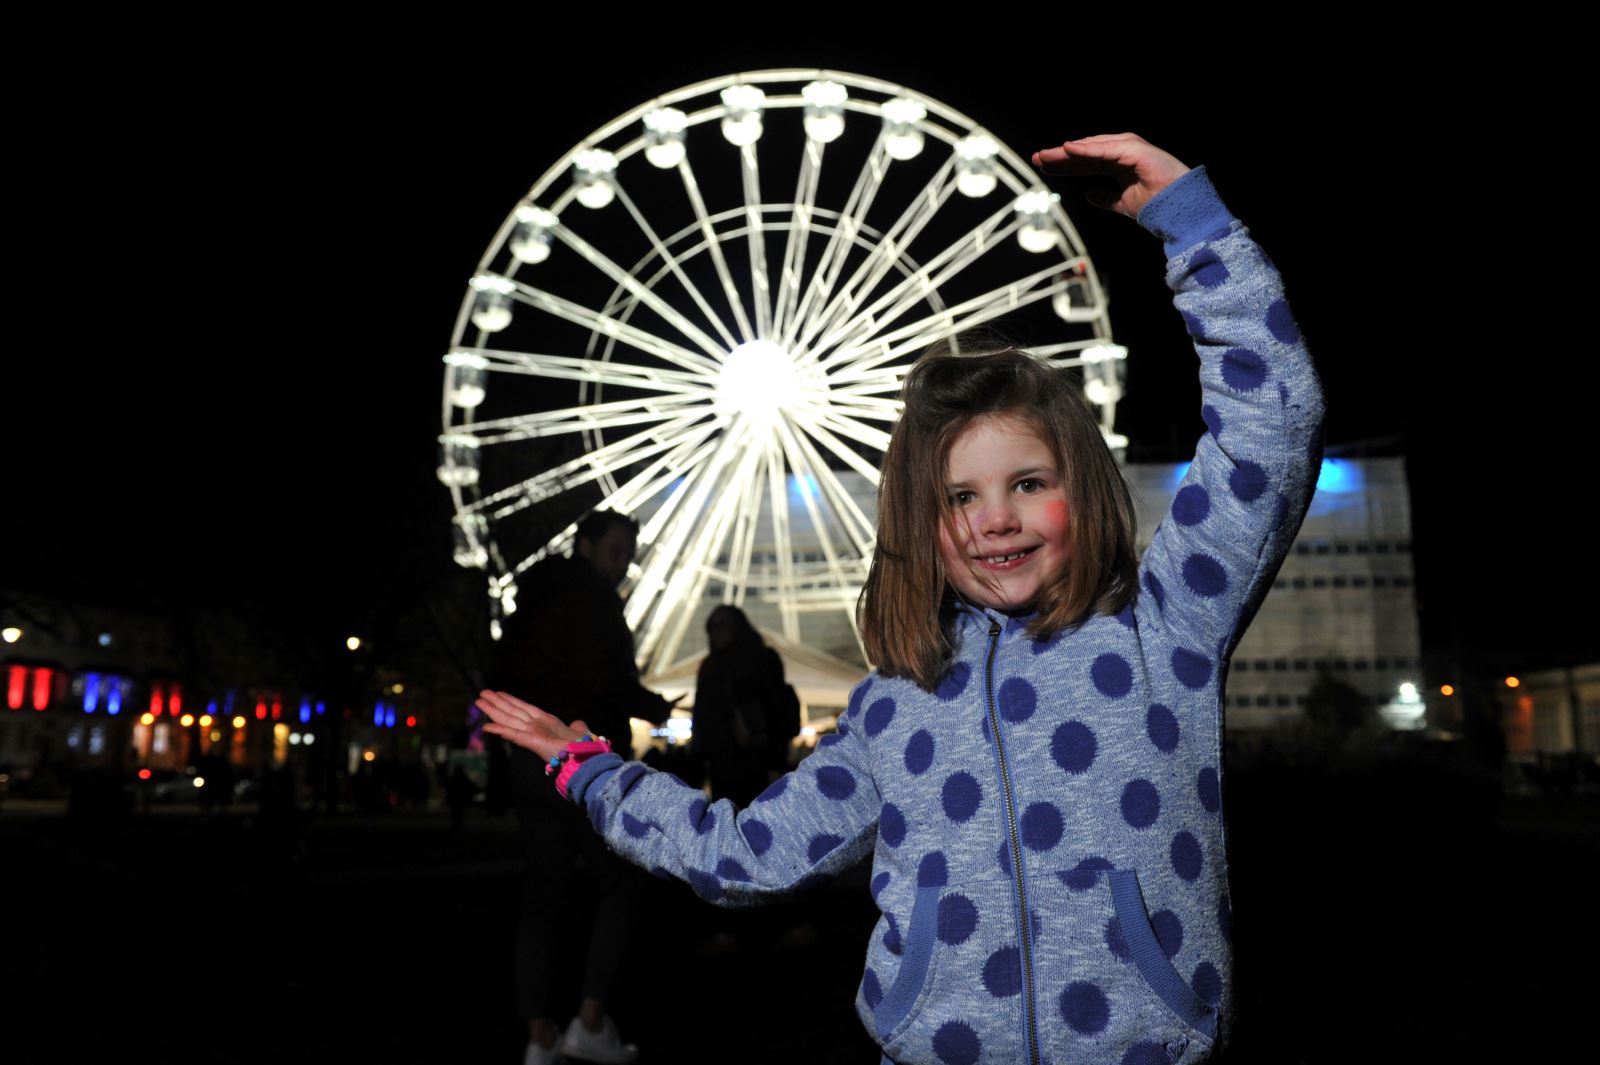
[{"x": 1383, "y": 908}]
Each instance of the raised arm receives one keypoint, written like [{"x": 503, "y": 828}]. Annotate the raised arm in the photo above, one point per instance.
[
  {"x": 1212, "y": 559},
  {"x": 808, "y": 826}
]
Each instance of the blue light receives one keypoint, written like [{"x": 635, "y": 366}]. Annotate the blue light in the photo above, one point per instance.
[
  {"x": 321, "y": 709},
  {"x": 91, "y": 692},
  {"x": 388, "y": 718},
  {"x": 1179, "y": 473},
  {"x": 377, "y": 714},
  {"x": 227, "y": 704},
  {"x": 305, "y": 709},
  {"x": 113, "y": 695},
  {"x": 211, "y": 708},
  {"x": 802, "y": 485},
  {"x": 1339, "y": 475}
]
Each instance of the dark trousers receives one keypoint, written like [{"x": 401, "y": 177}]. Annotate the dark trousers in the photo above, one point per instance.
[{"x": 568, "y": 865}]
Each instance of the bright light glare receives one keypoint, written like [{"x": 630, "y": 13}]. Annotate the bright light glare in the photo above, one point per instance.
[
  {"x": 353, "y": 643},
  {"x": 188, "y": 719},
  {"x": 756, "y": 378},
  {"x": 199, "y": 782},
  {"x": 11, "y": 634},
  {"x": 238, "y": 721}
]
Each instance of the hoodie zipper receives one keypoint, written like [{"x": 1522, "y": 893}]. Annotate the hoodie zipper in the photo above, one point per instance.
[{"x": 1023, "y": 937}]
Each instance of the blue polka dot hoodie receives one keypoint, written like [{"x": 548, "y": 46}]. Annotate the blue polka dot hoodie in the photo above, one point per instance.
[{"x": 1046, "y": 830}]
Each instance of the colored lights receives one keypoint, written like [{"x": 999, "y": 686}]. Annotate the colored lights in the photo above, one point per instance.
[
  {"x": 147, "y": 719},
  {"x": 353, "y": 643},
  {"x": 1513, "y": 682},
  {"x": 205, "y": 720},
  {"x": 261, "y": 711},
  {"x": 11, "y": 634},
  {"x": 1447, "y": 690},
  {"x": 16, "y": 683},
  {"x": 238, "y": 721},
  {"x": 41, "y": 688},
  {"x": 91, "y": 692},
  {"x": 187, "y": 720},
  {"x": 368, "y": 756},
  {"x": 144, "y": 774},
  {"x": 411, "y": 722},
  {"x": 199, "y": 782}
]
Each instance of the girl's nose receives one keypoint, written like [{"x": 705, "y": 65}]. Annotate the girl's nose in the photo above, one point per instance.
[{"x": 999, "y": 519}]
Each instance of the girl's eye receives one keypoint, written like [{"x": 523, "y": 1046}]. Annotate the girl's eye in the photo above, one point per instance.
[
  {"x": 1029, "y": 485},
  {"x": 961, "y": 499}
]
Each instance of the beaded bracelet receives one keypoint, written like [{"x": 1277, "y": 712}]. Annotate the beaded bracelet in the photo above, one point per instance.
[{"x": 570, "y": 758}]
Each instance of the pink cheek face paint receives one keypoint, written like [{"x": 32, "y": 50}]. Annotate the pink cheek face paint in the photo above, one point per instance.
[{"x": 1054, "y": 526}]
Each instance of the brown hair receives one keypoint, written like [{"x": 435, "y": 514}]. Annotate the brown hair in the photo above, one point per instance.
[{"x": 906, "y": 610}]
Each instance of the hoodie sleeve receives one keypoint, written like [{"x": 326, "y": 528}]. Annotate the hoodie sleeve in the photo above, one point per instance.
[
  {"x": 1243, "y": 498},
  {"x": 808, "y": 826}
]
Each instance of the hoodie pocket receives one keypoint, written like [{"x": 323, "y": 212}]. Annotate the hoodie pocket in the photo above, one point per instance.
[
  {"x": 958, "y": 993},
  {"x": 1159, "y": 974}
]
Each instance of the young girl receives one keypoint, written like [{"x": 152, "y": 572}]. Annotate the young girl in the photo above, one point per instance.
[{"x": 1035, "y": 764}]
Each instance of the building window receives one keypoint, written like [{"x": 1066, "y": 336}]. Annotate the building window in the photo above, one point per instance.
[
  {"x": 1380, "y": 582},
  {"x": 1340, "y": 582},
  {"x": 1402, "y": 582},
  {"x": 1263, "y": 700},
  {"x": 1319, "y": 582},
  {"x": 1341, "y": 548},
  {"x": 1299, "y": 582},
  {"x": 1381, "y": 547},
  {"x": 1280, "y": 665},
  {"x": 1321, "y": 547},
  {"x": 1340, "y": 665},
  {"x": 1358, "y": 582},
  {"x": 1243, "y": 665},
  {"x": 1301, "y": 700},
  {"x": 1301, "y": 665},
  {"x": 1380, "y": 663},
  {"x": 1361, "y": 664},
  {"x": 1281, "y": 700},
  {"x": 1363, "y": 548}
]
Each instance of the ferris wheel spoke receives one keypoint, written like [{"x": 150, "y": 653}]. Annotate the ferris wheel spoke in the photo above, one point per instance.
[
  {"x": 805, "y": 479},
  {"x": 631, "y": 335},
  {"x": 670, "y": 314},
  {"x": 878, "y": 262},
  {"x": 916, "y": 286},
  {"x": 783, "y": 541},
  {"x": 835, "y": 252},
  {"x": 729, "y": 290},
  {"x": 594, "y": 416},
  {"x": 756, "y": 238},
  {"x": 794, "y": 249},
  {"x": 1049, "y": 351},
  {"x": 966, "y": 315},
  {"x": 841, "y": 450},
  {"x": 594, "y": 371},
  {"x": 748, "y": 518},
  {"x": 856, "y": 525},
  {"x": 671, "y": 263}
]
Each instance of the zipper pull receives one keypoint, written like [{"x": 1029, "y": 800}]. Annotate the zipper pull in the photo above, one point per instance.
[{"x": 994, "y": 628}]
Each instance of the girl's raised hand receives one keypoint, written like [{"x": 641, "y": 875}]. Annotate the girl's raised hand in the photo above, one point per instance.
[
  {"x": 526, "y": 725},
  {"x": 1128, "y": 169}
]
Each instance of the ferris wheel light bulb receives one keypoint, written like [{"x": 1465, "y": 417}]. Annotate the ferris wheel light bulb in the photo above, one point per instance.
[
  {"x": 491, "y": 312},
  {"x": 467, "y": 378},
  {"x": 901, "y": 137},
  {"x": 975, "y": 155},
  {"x": 755, "y": 380},
  {"x": 530, "y": 240},
  {"x": 1075, "y": 302},
  {"x": 975, "y": 183},
  {"x": 458, "y": 460},
  {"x": 1036, "y": 238},
  {"x": 742, "y": 124},
  {"x": 824, "y": 110},
  {"x": 664, "y": 129},
  {"x": 594, "y": 172}
]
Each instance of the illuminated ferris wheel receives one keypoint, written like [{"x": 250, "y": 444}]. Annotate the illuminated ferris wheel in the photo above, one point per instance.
[{"x": 701, "y": 316}]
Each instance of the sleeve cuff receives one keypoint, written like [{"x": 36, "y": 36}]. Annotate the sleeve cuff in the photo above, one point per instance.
[
  {"x": 1186, "y": 212},
  {"x": 590, "y": 774}
]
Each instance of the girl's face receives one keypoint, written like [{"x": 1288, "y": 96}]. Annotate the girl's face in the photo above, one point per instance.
[{"x": 1009, "y": 503}]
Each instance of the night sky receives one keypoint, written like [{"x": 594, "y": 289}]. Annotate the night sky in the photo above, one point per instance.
[{"x": 239, "y": 400}]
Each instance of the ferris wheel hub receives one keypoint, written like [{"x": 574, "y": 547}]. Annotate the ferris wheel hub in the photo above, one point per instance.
[{"x": 757, "y": 378}]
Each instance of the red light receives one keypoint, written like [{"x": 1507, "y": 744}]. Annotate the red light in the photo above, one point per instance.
[
  {"x": 16, "y": 678},
  {"x": 277, "y": 710},
  {"x": 174, "y": 698},
  {"x": 411, "y": 722},
  {"x": 261, "y": 711},
  {"x": 41, "y": 689},
  {"x": 155, "y": 699},
  {"x": 144, "y": 774}
]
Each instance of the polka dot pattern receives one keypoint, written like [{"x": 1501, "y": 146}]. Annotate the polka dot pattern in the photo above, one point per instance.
[
  {"x": 830, "y": 739},
  {"x": 871, "y": 990},
  {"x": 728, "y": 869},
  {"x": 1041, "y": 826},
  {"x": 1073, "y": 746},
  {"x": 857, "y": 697},
  {"x": 705, "y": 885},
  {"x": 1247, "y": 481},
  {"x": 1146, "y": 1054},
  {"x": 1192, "y": 670},
  {"x": 955, "y": 1043},
  {"x": 1162, "y": 727},
  {"x": 932, "y": 870},
  {"x": 775, "y": 789},
  {"x": 702, "y": 817},
  {"x": 1112, "y": 675},
  {"x": 988, "y": 737},
  {"x": 631, "y": 774},
  {"x": 1017, "y": 700},
  {"x": 919, "y": 752},
  {"x": 1002, "y": 973},
  {"x": 1041, "y": 646},
  {"x": 1186, "y": 856},
  {"x": 891, "y": 936},
  {"x": 1115, "y": 942},
  {"x": 1243, "y": 370},
  {"x": 836, "y": 782},
  {"x": 1152, "y": 584},
  {"x": 879, "y": 714},
  {"x": 1207, "y": 983},
  {"x": 821, "y": 845},
  {"x": 1213, "y": 420},
  {"x": 1002, "y": 858},
  {"x": 879, "y": 882},
  {"x": 1208, "y": 789},
  {"x": 1281, "y": 324},
  {"x": 961, "y": 796},
  {"x": 1086, "y": 874},
  {"x": 954, "y": 682},
  {"x": 597, "y": 814},
  {"x": 957, "y": 919},
  {"x": 891, "y": 825},
  {"x": 634, "y": 827},
  {"x": 1141, "y": 804},
  {"x": 1207, "y": 269},
  {"x": 1168, "y": 930},
  {"x": 1204, "y": 576},
  {"x": 757, "y": 834},
  {"x": 1191, "y": 505},
  {"x": 1125, "y": 616},
  {"x": 1192, "y": 325},
  {"x": 1084, "y": 1007}
]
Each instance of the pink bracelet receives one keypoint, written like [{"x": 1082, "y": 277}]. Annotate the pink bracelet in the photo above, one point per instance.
[{"x": 573, "y": 756}]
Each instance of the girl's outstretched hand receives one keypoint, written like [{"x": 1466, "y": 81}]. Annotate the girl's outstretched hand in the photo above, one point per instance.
[
  {"x": 526, "y": 725},
  {"x": 1128, "y": 170}
]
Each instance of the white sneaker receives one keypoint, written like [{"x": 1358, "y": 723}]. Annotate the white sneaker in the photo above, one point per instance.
[
  {"x": 538, "y": 1055},
  {"x": 604, "y": 1047}
]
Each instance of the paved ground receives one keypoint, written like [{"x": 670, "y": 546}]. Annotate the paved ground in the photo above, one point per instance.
[{"x": 1375, "y": 917}]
